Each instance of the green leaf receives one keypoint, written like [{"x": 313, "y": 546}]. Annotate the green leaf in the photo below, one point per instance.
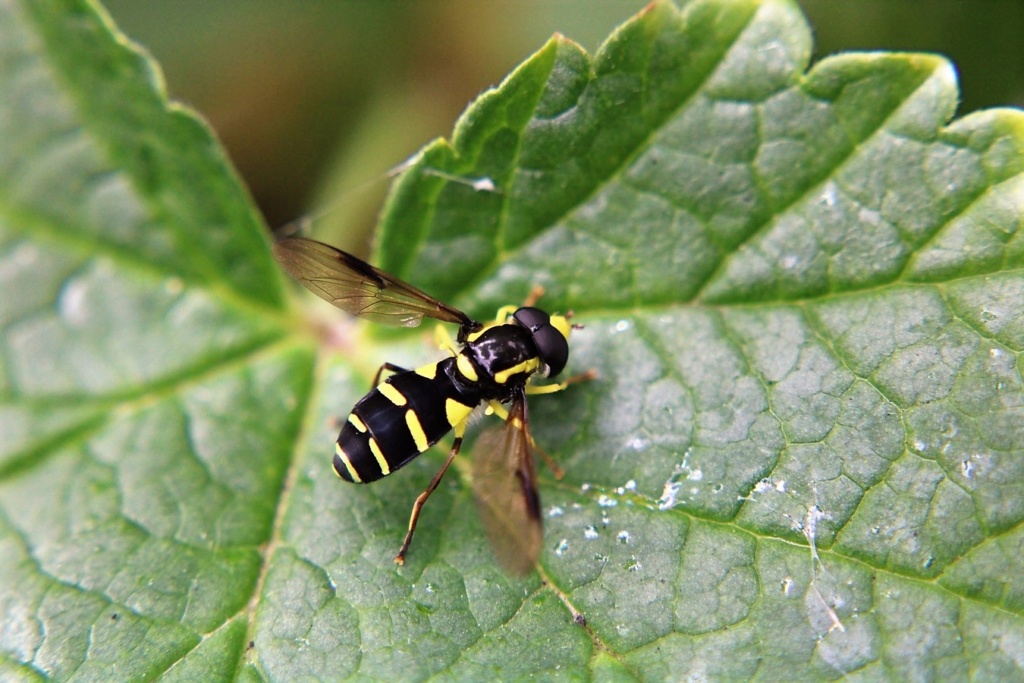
[{"x": 802, "y": 291}]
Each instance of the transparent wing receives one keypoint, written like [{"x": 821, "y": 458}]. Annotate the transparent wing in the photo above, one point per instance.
[
  {"x": 505, "y": 487},
  {"x": 355, "y": 286}
]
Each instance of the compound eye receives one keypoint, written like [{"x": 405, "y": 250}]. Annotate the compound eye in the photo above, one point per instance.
[
  {"x": 531, "y": 318},
  {"x": 552, "y": 347}
]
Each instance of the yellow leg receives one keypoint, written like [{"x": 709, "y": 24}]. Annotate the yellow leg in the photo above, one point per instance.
[
  {"x": 539, "y": 389},
  {"x": 503, "y": 313},
  {"x": 444, "y": 341},
  {"x": 495, "y": 408},
  {"x": 535, "y": 389}
]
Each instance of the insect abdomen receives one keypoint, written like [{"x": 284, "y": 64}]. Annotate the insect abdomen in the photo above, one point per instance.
[{"x": 402, "y": 417}]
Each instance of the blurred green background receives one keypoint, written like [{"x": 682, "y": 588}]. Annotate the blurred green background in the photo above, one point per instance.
[{"x": 316, "y": 100}]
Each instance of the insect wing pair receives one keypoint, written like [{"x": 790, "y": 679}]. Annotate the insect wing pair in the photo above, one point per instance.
[{"x": 504, "y": 478}]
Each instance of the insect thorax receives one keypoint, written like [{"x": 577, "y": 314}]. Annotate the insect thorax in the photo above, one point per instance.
[{"x": 502, "y": 357}]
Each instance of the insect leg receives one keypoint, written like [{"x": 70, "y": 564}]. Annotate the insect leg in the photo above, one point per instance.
[
  {"x": 422, "y": 498},
  {"x": 495, "y": 408},
  {"x": 533, "y": 389},
  {"x": 535, "y": 294},
  {"x": 505, "y": 311},
  {"x": 390, "y": 367},
  {"x": 444, "y": 340},
  {"x": 502, "y": 315}
]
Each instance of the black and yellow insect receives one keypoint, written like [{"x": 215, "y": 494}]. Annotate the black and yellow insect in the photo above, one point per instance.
[{"x": 411, "y": 410}]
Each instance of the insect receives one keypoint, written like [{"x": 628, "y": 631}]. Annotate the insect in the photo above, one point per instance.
[{"x": 411, "y": 410}]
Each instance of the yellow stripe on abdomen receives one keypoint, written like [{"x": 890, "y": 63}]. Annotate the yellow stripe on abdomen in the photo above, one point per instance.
[
  {"x": 343, "y": 456},
  {"x": 382, "y": 462},
  {"x": 428, "y": 371},
  {"x": 392, "y": 394},
  {"x": 357, "y": 423},
  {"x": 456, "y": 412},
  {"x": 419, "y": 437}
]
